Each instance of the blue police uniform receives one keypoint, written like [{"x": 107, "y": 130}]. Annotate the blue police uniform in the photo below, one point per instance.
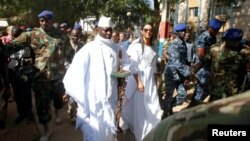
[
  {"x": 205, "y": 40},
  {"x": 176, "y": 71}
]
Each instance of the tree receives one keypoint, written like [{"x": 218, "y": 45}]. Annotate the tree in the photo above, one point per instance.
[{"x": 25, "y": 11}]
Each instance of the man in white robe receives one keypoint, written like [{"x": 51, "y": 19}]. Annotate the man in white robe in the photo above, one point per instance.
[{"x": 89, "y": 83}]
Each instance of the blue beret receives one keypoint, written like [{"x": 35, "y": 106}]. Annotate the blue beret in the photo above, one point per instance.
[
  {"x": 180, "y": 27},
  {"x": 77, "y": 26},
  {"x": 46, "y": 14},
  {"x": 215, "y": 24},
  {"x": 233, "y": 34}
]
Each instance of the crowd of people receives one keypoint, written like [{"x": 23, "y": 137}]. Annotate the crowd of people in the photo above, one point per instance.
[
  {"x": 55, "y": 63},
  {"x": 35, "y": 61}
]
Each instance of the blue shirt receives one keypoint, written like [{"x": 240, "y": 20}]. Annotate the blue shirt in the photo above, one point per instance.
[{"x": 124, "y": 45}]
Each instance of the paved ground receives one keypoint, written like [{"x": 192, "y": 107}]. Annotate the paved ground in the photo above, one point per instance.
[{"x": 30, "y": 131}]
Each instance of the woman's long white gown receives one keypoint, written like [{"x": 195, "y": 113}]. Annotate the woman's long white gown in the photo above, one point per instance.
[{"x": 141, "y": 111}]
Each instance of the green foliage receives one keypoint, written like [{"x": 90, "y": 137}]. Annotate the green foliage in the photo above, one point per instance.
[{"x": 25, "y": 11}]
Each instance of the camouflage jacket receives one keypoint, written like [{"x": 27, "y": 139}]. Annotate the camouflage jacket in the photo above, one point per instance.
[
  {"x": 192, "y": 124},
  {"x": 227, "y": 70},
  {"x": 50, "y": 51}
]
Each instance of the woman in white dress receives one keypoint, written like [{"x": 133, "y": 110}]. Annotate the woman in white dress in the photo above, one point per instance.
[{"x": 141, "y": 108}]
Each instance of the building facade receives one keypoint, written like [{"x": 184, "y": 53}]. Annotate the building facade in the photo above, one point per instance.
[{"x": 197, "y": 13}]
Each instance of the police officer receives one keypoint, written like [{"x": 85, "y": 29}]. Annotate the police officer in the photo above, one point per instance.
[
  {"x": 227, "y": 65},
  {"x": 201, "y": 68},
  {"x": 48, "y": 45},
  {"x": 176, "y": 71}
]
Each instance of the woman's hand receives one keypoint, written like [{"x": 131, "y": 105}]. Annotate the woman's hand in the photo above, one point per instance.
[{"x": 140, "y": 86}]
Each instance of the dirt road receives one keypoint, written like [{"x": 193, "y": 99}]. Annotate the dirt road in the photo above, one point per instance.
[{"x": 30, "y": 130}]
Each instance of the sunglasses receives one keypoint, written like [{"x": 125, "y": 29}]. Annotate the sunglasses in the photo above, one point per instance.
[{"x": 147, "y": 30}]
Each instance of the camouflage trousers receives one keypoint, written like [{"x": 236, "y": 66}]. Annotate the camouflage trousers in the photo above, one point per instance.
[{"x": 45, "y": 93}]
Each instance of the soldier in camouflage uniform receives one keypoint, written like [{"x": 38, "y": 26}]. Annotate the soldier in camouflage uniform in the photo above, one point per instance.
[
  {"x": 49, "y": 46},
  {"x": 192, "y": 124},
  {"x": 201, "y": 69},
  {"x": 176, "y": 71},
  {"x": 227, "y": 65}
]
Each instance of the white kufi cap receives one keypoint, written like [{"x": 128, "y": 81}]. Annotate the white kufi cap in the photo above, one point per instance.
[{"x": 105, "y": 22}]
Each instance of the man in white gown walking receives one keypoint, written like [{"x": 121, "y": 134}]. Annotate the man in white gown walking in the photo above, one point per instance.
[{"x": 89, "y": 83}]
